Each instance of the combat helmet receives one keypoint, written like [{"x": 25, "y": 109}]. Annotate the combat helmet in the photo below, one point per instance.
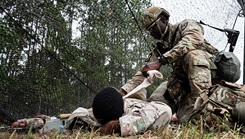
[{"x": 151, "y": 14}]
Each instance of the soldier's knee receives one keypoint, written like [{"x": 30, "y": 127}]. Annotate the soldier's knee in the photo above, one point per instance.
[{"x": 196, "y": 58}]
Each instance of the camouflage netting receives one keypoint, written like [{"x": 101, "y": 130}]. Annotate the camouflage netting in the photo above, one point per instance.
[
  {"x": 59, "y": 75},
  {"x": 56, "y": 55}
]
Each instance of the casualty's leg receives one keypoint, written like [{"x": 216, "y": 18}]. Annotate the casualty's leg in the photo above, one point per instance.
[
  {"x": 157, "y": 95},
  {"x": 161, "y": 94}
]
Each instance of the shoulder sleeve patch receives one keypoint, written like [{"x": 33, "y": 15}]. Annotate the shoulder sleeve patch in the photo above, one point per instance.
[{"x": 183, "y": 26}]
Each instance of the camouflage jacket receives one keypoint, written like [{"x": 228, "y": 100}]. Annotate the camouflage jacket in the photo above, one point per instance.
[
  {"x": 184, "y": 37},
  {"x": 140, "y": 115},
  {"x": 136, "y": 80}
]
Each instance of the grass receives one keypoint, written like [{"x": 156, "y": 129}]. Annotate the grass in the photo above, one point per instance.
[{"x": 184, "y": 132}]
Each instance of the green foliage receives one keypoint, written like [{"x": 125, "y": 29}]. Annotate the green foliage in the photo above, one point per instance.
[{"x": 46, "y": 69}]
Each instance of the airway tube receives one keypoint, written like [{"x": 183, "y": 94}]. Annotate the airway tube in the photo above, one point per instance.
[{"x": 147, "y": 81}]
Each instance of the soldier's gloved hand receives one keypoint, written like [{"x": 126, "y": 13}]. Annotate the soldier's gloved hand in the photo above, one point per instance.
[
  {"x": 150, "y": 66},
  {"x": 110, "y": 127}
]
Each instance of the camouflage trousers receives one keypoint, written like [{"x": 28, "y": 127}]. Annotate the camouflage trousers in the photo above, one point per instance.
[{"x": 191, "y": 75}]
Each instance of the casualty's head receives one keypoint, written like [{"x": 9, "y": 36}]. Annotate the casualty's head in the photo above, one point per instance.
[
  {"x": 155, "y": 20},
  {"x": 107, "y": 105}
]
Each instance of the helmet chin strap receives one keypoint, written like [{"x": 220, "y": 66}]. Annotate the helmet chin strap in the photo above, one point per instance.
[
  {"x": 165, "y": 31},
  {"x": 162, "y": 33}
]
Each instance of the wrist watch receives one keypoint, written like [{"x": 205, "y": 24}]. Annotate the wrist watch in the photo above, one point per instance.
[{"x": 162, "y": 60}]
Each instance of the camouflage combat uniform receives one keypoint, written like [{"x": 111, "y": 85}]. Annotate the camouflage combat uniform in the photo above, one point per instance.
[
  {"x": 133, "y": 83},
  {"x": 139, "y": 116},
  {"x": 191, "y": 59}
]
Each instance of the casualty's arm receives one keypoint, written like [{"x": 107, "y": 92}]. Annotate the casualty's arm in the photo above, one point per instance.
[{"x": 136, "y": 80}]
